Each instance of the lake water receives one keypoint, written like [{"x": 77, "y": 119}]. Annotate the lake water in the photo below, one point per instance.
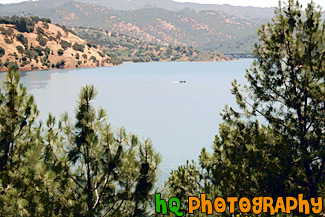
[{"x": 180, "y": 119}]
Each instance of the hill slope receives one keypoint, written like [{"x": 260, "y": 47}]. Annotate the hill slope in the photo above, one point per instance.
[
  {"x": 40, "y": 45},
  {"x": 239, "y": 11},
  {"x": 205, "y": 29},
  {"x": 127, "y": 48}
]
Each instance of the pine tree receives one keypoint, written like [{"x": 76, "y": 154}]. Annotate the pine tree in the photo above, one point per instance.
[
  {"x": 285, "y": 155},
  {"x": 287, "y": 90},
  {"x": 27, "y": 185},
  {"x": 113, "y": 173}
]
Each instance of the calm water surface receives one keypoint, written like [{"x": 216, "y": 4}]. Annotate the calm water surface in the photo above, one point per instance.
[{"x": 180, "y": 119}]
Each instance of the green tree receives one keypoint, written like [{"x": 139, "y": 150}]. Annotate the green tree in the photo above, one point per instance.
[
  {"x": 2, "y": 51},
  {"x": 29, "y": 186},
  {"x": 18, "y": 113},
  {"x": 286, "y": 155},
  {"x": 60, "y": 52},
  {"x": 114, "y": 172}
]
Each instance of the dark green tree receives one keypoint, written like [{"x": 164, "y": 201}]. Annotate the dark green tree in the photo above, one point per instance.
[
  {"x": 30, "y": 184},
  {"x": 286, "y": 154},
  {"x": 113, "y": 173}
]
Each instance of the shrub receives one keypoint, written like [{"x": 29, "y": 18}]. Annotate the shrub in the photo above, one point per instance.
[
  {"x": 59, "y": 35},
  {"x": 20, "y": 37},
  {"x": 39, "y": 50},
  {"x": 101, "y": 54},
  {"x": 65, "y": 44},
  {"x": 78, "y": 47},
  {"x": 60, "y": 52},
  {"x": 46, "y": 26},
  {"x": 13, "y": 65},
  {"x": 2, "y": 52},
  {"x": 42, "y": 41},
  {"x": 47, "y": 51},
  {"x": 40, "y": 30},
  {"x": 6, "y": 32},
  {"x": 20, "y": 49},
  {"x": 8, "y": 41},
  {"x": 94, "y": 59},
  {"x": 24, "y": 24},
  {"x": 51, "y": 38},
  {"x": 60, "y": 64}
]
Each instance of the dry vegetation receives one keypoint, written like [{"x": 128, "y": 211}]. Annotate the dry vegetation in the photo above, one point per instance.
[{"x": 47, "y": 46}]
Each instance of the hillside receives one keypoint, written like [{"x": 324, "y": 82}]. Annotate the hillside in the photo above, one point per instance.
[
  {"x": 125, "y": 48},
  {"x": 227, "y": 29},
  {"x": 239, "y": 11},
  {"x": 36, "y": 44}
]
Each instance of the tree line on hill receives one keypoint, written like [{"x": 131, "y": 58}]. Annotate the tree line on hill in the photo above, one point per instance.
[{"x": 274, "y": 146}]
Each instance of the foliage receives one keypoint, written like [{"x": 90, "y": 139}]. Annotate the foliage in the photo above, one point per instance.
[
  {"x": 286, "y": 155},
  {"x": 60, "y": 64},
  {"x": 125, "y": 48},
  {"x": 80, "y": 168},
  {"x": 60, "y": 52},
  {"x": 20, "y": 49},
  {"x": 20, "y": 37},
  {"x": 42, "y": 41},
  {"x": 40, "y": 30},
  {"x": 22, "y": 24},
  {"x": 232, "y": 32},
  {"x": 78, "y": 47},
  {"x": 2, "y": 52},
  {"x": 64, "y": 44},
  {"x": 105, "y": 160}
]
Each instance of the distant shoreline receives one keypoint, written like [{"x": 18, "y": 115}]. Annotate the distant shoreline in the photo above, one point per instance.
[{"x": 86, "y": 67}]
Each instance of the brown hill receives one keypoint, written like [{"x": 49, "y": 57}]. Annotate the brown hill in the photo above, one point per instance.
[{"x": 46, "y": 46}]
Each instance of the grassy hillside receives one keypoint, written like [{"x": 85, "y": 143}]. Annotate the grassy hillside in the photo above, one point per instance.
[
  {"x": 34, "y": 44},
  {"x": 126, "y": 48},
  {"x": 204, "y": 29},
  {"x": 239, "y": 11}
]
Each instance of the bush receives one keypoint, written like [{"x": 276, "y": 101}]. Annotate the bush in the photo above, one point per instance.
[
  {"x": 60, "y": 52},
  {"x": 39, "y": 50},
  {"x": 59, "y": 35},
  {"x": 78, "y": 47},
  {"x": 20, "y": 49},
  {"x": 51, "y": 38},
  {"x": 6, "y": 32},
  {"x": 65, "y": 44},
  {"x": 24, "y": 24},
  {"x": 42, "y": 41},
  {"x": 47, "y": 51},
  {"x": 37, "y": 19},
  {"x": 94, "y": 59},
  {"x": 8, "y": 40},
  {"x": 13, "y": 65},
  {"x": 115, "y": 60},
  {"x": 40, "y": 30},
  {"x": 60, "y": 64},
  {"x": 2, "y": 51},
  {"x": 20, "y": 37},
  {"x": 46, "y": 26},
  {"x": 101, "y": 54}
]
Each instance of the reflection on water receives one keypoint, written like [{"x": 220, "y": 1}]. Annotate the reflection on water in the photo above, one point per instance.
[{"x": 180, "y": 118}]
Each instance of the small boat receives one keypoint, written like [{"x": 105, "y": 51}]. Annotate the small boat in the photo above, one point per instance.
[{"x": 179, "y": 82}]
